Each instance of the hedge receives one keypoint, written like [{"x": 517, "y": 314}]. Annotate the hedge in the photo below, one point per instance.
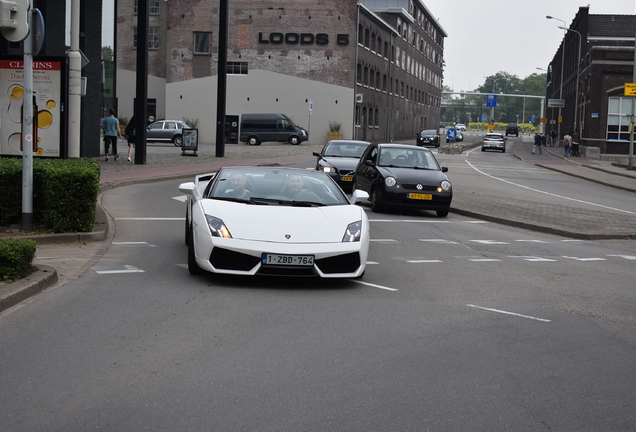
[
  {"x": 16, "y": 256},
  {"x": 64, "y": 193}
]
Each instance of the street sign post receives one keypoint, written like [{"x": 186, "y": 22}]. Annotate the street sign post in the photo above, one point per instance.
[
  {"x": 556, "y": 103},
  {"x": 630, "y": 89}
]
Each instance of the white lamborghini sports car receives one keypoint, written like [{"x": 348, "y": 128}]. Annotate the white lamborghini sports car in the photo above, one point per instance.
[{"x": 274, "y": 221}]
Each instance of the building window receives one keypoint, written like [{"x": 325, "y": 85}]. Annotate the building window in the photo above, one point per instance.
[
  {"x": 153, "y": 7},
  {"x": 201, "y": 42},
  {"x": 236, "y": 68},
  {"x": 153, "y": 37},
  {"x": 618, "y": 117}
]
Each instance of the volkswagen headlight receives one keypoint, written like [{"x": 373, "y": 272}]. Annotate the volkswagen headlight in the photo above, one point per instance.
[
  {"x": 390, "y": 181},
  {"x": 445, "y": 186},
  {"x": 353, "y": 232},
  {"x": 328, "y": 169},
  {"x": 217, "y": 227}
]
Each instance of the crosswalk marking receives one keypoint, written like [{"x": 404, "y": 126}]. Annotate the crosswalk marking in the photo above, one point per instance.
[
  {"x": 627, "y": 257},
  {"x": 438, "y": 241},
  {"x": 584, "y": 259},
  {"x": 533, "y": 258}
]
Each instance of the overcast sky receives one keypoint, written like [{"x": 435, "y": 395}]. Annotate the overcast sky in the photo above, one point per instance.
[{"x": 488, "y": 36}]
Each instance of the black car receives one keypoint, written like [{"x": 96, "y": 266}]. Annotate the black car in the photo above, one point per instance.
[
  {"x": 402, "y": 175},
  {"x": 339, "y": 158},
  {"x": 428, "y": 137},
  {"x": 512, "y": 129}
]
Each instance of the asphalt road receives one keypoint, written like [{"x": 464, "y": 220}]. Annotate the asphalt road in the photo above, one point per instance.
[{"x": 458, "y": 324}]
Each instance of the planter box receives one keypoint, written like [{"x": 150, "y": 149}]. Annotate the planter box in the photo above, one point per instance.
[{"x": 334, "y": 135}]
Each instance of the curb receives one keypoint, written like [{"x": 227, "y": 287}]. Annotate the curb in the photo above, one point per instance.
[{"x": 31, "y": 285}]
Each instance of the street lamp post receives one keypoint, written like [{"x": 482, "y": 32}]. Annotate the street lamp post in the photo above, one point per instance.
[
  {"x": 523, "y": 114},
  {"x": 578, "y": 60},
  {"x": 492, "y": 109},
  {"x": 561, "y": 84}
]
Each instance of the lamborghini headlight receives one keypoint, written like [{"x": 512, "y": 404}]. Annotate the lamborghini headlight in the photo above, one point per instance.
[
  {"x": 217, "y": 227},
  {"x": 353, "y": 232}
]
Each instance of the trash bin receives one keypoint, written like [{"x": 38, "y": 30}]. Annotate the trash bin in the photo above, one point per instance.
[{"x": 190, "y": 142}]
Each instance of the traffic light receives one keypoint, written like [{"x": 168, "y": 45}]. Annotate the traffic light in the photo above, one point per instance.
[{"x": 13, "y": 19}]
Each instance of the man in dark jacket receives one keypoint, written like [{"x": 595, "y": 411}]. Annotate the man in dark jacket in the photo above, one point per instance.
[{"x": 537, "y": 142}]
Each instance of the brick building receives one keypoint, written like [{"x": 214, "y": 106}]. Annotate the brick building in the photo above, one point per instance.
[
  {"x": 375, "y": 66},
  {"x": 605, "y": 65}
]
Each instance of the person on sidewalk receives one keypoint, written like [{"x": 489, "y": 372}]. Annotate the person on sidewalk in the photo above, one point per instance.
[
  {"x": 537, "y": 142},
  {"x": 112, "y": 133},
  {"x": 576, "y": 139},
  {"x": 553, "y": 137},
  {"x": 131, "y": 134},
  {"x": 567, "y": 143}
]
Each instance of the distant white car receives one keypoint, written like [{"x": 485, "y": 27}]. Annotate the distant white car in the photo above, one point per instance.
[
  {"x": 274, "y": 221},
  {"x": 460, "y": 127},
  {"x": 167, "y": 131}
]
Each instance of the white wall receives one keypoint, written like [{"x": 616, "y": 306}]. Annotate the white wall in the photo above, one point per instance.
[
  {"x": 127, "y": 90},
  {"x": 196, "y": 99}
]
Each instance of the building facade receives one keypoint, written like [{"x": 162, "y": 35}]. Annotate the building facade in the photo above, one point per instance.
[
  {"x": 601, "y": 112},
  {"x": 374, "y": 66}
]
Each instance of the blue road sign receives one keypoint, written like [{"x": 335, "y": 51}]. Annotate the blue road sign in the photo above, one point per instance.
[
  {"x": 451, "y": 133},
  {"x": 483, "y": 118},
  {"x": 491, "y": 100},
  {"x": 532, "y": 119}
]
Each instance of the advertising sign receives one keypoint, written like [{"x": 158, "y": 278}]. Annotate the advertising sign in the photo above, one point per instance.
[{"x": 47, "y": 84}]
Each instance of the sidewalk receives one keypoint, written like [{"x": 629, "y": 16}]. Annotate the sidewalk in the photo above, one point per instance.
[{"x": 65, "y": 257}]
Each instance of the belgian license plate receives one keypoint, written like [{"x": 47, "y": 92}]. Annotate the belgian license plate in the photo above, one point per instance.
[
  {"x": 419, "y": 196},
  {"x": 287, "y": 260},
  {"x": 346, "y": 178}
]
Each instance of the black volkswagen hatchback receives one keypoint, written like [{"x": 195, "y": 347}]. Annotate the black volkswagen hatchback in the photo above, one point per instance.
[{"x": 402, "y": 175}]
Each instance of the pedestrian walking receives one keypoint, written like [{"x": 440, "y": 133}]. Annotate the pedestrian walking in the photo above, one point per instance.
[
  {"x": 567, "y": 144},
  {"x": 576, "y": 139},
  {"x": 131, "y": 136},
  {"x": 553, "y": 137},
  {"x": 537, "y": 142},
  {"x": 112, "y": 133}
]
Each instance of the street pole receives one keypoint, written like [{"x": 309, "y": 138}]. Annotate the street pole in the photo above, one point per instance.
[
  {"x": 27, "y": 131},
  {"x": 561, "y": 84},
  {"x": 578, "y": 61},
  {"x": 630, "y": 161}
]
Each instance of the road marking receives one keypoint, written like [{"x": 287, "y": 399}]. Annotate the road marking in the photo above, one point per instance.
[
  {"x": 409, "y": 220},
  {"x": 483, "y": 259},
  {"x": 372, "y": 262},
  {"x": 533, "y": 241},
  {"x": 438, "y": 241},
  {"x": 149, "y": 219},
  {"x": 548, "y": 193},
  {"x": 134, "y": 244},
  {"x": 181, "y": 198},
  {"x": 373, "y": 285},
  {"x": 423, "y": 261},
  {"x": 585, "y": 259},
  {"x": 509, "y": 313},
  {"x": 627, "y": 257},
  {"x": 384, "y": 240},
  {"x": 490, "y": 242},
  {"x": 477, "y": 222},
  {"x": 116, "y": 269},
  {"x": 533, "y": 258}
]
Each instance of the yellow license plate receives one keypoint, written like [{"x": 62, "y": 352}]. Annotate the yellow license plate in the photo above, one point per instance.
[
  {"x": 346, "y": 178},
  {"x": 420, "y": 196}
]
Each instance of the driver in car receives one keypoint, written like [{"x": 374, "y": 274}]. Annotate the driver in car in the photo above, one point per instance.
[{"x": 238, "y": 182}]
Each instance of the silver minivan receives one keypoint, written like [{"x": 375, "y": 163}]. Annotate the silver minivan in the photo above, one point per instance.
[{"x": 258, "y": 128}]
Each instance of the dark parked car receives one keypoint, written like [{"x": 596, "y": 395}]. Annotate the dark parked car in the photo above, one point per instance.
[
  {"x": 402, "y": 175},
  {"x": 339, "y": 158},
  {"x": 512, "y": 129},
  {"x": 167, "y": 131},
  {"x": 428, "y": 137}
]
